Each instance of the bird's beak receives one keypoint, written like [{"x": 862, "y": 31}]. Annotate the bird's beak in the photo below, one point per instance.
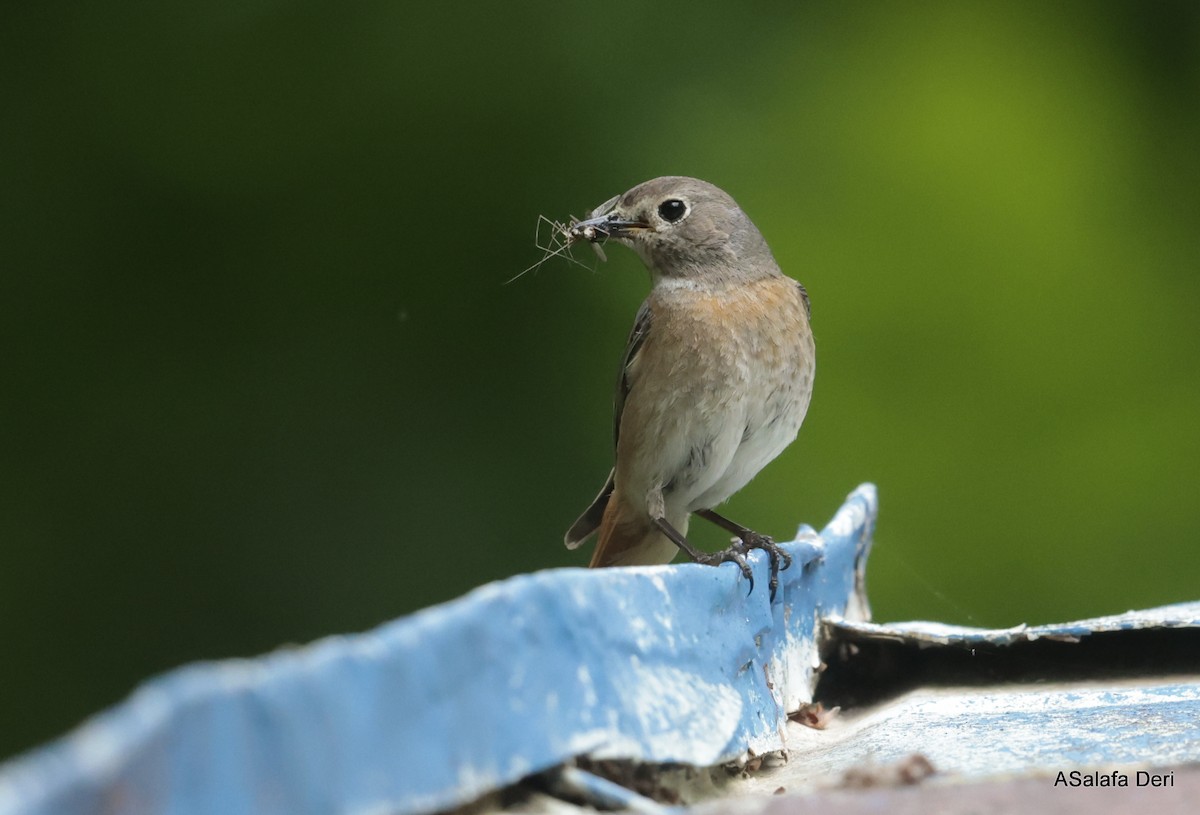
[
  {"x": 607, "y": 226},
  {"x": 604, "y": 222}
]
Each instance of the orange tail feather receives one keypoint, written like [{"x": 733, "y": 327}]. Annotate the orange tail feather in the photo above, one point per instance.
[{"x": 627, "y": 537}]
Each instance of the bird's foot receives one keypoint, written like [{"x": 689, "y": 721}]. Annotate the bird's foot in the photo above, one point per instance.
[{"x": 742, "y": 546}]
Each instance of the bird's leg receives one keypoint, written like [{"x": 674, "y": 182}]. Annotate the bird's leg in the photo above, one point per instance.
[
  {"x": 749, "y": 539},
  {"x": 730, "y": 555}
]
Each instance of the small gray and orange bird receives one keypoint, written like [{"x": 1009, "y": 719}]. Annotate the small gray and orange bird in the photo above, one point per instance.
[{"x": 715, "y": 379}]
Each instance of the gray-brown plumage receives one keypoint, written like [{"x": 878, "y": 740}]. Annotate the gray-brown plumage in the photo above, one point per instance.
[{"x": 716, "y": 376}]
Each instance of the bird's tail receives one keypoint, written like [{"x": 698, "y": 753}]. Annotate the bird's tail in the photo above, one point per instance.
[{"x": 627, "y": 537}]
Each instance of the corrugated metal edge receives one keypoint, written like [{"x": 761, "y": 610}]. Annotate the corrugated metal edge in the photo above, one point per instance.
[
  {"x": 659, "y": 664},
  {"x": 919, "y": 632}
]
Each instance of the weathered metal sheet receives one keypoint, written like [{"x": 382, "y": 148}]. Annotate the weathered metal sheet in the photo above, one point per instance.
[
  {"x": 1180, "y": 615},
  {"x": 976, "y": 733},
  {"x": 660, "y": 664}
]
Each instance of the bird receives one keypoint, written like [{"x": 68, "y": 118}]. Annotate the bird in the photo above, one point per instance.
[{"x": 714, "y": 382}]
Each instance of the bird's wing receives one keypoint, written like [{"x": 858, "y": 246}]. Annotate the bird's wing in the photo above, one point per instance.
[
  {"x": 804, "y": 297},
  {"x": 589, "y": 521},
  {"x": 641, "y": 329}
]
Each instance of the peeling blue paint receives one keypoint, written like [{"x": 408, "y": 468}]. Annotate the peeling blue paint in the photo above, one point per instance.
[{"x": 665, "y": 664}]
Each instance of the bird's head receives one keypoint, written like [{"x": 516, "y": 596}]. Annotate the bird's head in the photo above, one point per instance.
[{"x": 682, "y": 228}]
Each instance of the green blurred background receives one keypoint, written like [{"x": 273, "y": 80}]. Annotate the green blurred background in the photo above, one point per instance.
[{"x": 261, "y": 381}]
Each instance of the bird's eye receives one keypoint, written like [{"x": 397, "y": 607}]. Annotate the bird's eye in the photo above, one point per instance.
[{"x": 672, "y": 210}]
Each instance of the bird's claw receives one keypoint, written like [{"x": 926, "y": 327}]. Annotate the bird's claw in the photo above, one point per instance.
[
  {"x": 737, "y": 551},
  {"x": 734, "y": 554}
]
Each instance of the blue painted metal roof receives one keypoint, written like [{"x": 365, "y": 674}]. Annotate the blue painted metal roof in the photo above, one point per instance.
[
  {"x": 665, "y": 664},
  {"x": 999, "y": 733}
]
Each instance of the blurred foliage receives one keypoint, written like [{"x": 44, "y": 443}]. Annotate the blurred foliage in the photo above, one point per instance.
[{"x": 262, "y": 381}]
